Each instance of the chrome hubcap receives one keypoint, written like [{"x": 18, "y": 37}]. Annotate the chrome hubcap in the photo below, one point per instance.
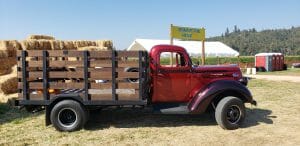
[
  {"x": 67, "y": 117},
  {"x": 233, "y": 114}
]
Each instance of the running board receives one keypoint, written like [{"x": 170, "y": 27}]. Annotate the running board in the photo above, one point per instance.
[{"x": 172, "y": 109}]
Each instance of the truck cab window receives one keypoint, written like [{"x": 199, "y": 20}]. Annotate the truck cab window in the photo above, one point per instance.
[{"x": 172, "y": 59}]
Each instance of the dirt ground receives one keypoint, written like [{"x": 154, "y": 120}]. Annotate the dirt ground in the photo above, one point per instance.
[
  {"x": 275, "y": 121},
  {"x": 277, "y": 78}
]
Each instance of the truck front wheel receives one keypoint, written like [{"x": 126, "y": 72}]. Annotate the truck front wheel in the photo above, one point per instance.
[
  {"x": 230, "y": 113},
  {"x": 68, "y": 115}
]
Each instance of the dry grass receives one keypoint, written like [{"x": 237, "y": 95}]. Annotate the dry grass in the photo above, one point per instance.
[
  {"x": 10, "y": 86},
  {"x": 275, "y": 121}
]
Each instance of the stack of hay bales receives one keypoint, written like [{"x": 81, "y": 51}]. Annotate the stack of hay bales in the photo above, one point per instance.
[
  {"x": 44, "y": 42},
  {"x": 8, "y": 49}
]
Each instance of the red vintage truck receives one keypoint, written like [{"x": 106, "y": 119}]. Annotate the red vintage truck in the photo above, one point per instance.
[{"x": 68, "y": 83}]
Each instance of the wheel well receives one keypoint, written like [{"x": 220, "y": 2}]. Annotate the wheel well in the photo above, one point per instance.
[
  {"x": 224, "y": 94},
  {"x": 54, "y": 102}
]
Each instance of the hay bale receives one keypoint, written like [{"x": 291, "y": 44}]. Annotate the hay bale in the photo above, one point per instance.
[
  {"x": 40, "y": 37},
  {"x": 67, "y": 45},
  {"x": 105, "y": 43},
  {"x": 36, "y": 45},
  {"x": 55, "y": 44},
  {"x": 10, "y": 86},
  {"x": 29, "y": 44},
  {"x": 10, "y": 46},
  {"x": 44, "y": 45},
  {"x": 3, "y": 54},
  {"x": 92, "y": 48},
  {"x": 83, "y": 43},
  {"x": 6, "y": 64}
]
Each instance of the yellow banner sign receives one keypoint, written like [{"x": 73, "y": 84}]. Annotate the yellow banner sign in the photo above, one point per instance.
[{"x": 187, "y": 33}]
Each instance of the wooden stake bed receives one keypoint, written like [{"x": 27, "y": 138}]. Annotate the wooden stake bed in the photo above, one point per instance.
[{"x": 94, "y": 77}]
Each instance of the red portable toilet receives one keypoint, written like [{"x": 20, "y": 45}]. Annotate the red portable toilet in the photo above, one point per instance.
[
  {"x": 278, "y": 62},
  {"x": 281, "y": 62},
  {"x": 268, "y": 61},
  {"x": 273, "y": 62}
]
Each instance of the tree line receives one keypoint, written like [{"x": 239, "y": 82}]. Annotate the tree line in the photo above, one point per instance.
[{"x": 250, "y": 42}]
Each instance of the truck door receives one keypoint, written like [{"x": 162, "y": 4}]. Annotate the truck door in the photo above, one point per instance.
[{"x": 172, "y": 80}]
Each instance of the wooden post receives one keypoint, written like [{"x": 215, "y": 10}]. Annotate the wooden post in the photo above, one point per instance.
[
  {"x": 171, "y": 42},
  {"x": 203, "y": 52}
]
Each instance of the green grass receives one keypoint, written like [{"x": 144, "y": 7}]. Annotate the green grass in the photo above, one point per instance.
[
  {"x": 288, "y": 72},
  {"x": 275, "y": 120}
]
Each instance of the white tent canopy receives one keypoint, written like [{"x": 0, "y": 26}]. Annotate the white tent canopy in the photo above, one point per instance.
[{"x": 193, "y": 47}]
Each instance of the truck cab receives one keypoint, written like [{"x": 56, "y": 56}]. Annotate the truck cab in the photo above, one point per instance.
[{"x": 196, "y": 88}]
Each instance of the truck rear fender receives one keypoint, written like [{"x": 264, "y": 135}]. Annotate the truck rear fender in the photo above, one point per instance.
[{"x": 215, "y": 91}]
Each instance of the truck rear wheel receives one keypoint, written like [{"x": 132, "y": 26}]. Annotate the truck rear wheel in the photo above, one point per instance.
[
  {"x": 68, "y": 115},
  {"x": 230, "y": 113}
]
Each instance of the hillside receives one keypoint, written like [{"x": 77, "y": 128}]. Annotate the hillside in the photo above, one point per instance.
[{"x": 250, "y": 42}]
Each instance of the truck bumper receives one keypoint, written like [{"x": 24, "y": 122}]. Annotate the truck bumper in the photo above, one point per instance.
[{"x": 244, "y": 81}]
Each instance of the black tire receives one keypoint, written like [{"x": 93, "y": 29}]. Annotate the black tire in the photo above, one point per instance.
[
  {"x": 230, "y": 113},
  {"x": 68, "y": 115}
]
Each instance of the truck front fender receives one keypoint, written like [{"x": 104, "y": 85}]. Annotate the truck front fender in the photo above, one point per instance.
[{"x": 203, "y": 98}]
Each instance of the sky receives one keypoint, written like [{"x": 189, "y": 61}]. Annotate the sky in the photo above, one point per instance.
[{"x": 125, "y": 20}]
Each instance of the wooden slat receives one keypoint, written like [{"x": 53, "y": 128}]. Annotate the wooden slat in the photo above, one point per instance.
[
  {"x": 75, "y": 53},
  {"x": 53, "y": 85},
  {"x": 100, "y": 54},
  {"x": 75, "y": 85},
  {"x": 95, "y": 97},
  {"x": 55, "y": 74},
  {"x": 65, "y": 74},
  {"x": 98, "y": 75},
  {"x": 125, "y": 75},
  {"x": 109, "y": 91},
  {"x": 127, "y": 53},
  {"x": 119, "y": 86},
  {"x": 31, "y": 53},
  {"x": 132, "y": 97},
  {"x": 54, "y": 63},
  {"x": 52, "y": 53},
  {"x": 100, "y": 85},
  {"x": 71, "y": 85},
  {"x": 100, "y": 63},
  {"x": 128, "y": 63},
  {"x": 65, "y": 53},
  {"x": 128, "y": 85},
  {"x": 34, "y": 96},
  {"x": 96, "y": 63},
  {"x": 128, "y": 96}
]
